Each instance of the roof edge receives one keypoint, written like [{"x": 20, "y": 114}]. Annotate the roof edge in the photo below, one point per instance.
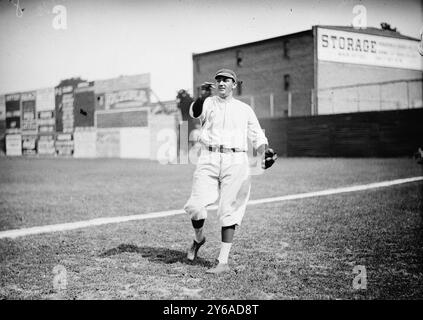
[
  {"x": 373, "y": 30},
  {"x": 255, "y": 42}
]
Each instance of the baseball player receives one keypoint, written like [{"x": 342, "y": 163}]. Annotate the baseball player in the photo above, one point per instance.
[{"x": 223, "y": 167}]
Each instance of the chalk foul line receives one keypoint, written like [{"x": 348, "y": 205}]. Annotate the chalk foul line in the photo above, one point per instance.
[{"x": 15, "y": 233}]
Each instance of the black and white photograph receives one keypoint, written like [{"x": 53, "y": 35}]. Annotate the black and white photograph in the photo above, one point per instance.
[{"x": 231, "y": 153}]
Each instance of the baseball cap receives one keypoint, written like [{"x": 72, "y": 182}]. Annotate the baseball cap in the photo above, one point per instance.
[{"x": 226, "y": 73}]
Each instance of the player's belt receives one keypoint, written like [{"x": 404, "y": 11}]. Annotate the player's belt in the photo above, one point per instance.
[{"x": 223, "y": 149}]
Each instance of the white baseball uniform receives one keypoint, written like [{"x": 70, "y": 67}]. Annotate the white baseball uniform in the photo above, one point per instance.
[{"x": 226, "y": 123}]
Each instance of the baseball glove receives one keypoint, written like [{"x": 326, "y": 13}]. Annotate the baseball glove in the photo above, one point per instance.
[
  {"x": 419, "y": 156},
  {"x": 207, "y": 85},
  {"x": 269, "y": 159}
]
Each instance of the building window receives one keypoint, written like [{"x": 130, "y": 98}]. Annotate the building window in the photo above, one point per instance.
[
  {"x": 239, "y": 88},
  {"x": 197, "y": 64},
  {"x": 100, "y": 100},
  {"x": 285, "y": 49},
  {"x": 239, "y": 57},
  {"x": 286, "y": 82}
]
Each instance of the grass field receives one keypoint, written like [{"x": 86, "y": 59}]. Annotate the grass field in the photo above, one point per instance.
[{"x": 298, "y": 249}]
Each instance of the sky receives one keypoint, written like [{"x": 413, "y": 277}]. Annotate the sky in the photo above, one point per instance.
[{"x": 106, "y": 39}]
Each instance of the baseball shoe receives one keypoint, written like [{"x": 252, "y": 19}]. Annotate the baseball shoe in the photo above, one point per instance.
[
  {"x": 220, "y": 268},
  {"x": 192, "y": 251}
]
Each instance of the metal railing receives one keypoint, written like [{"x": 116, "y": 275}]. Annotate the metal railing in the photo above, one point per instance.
[
  {"x": 281, "y": 104},
  {"x": 381, "y": 96},
  {"x": 389, "y": 95}
]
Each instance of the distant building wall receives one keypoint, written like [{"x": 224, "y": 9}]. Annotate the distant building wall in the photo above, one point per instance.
[
  {"x": 288, "y": 75},
  {"x": 84, "y": 105},
  {"x": 269, "y": 69}
]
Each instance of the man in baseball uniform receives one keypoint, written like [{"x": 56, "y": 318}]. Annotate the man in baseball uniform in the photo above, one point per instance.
[{"x": 223, "y": 168}]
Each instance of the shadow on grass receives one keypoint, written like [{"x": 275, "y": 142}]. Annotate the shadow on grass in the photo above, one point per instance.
[{"x": 154, "y": 254}]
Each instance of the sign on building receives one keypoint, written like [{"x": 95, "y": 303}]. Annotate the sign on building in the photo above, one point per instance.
[
  {"x": 45, "y": 99},
  {"x": 122, "y": 92},
  {"x": 13, "y": 113},
  {"x": 2, "y": 107},
  {"x": 359, "y": 48},
  {"x": 126, "y": 98},
  {"x": 46, "y": 121},
  {"x": 122, "y": 83},
  {"x": 29, "y": 120},
  {"x": 64, "y": 105}
]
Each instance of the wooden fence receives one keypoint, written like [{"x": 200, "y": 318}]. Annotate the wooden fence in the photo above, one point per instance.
[{"x": 364, "y": 134}]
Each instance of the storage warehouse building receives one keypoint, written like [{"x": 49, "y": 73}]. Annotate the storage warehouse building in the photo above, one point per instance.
[{"x": 324, "y": 70}]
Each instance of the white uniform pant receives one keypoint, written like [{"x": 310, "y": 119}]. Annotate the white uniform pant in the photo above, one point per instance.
[{"x": 224, "y": 174}]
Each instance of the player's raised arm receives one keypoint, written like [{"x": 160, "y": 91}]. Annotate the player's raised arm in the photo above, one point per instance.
[{"x": 197, "y": 107}]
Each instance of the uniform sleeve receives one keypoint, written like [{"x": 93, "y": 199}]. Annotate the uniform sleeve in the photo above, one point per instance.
[
  {"x": 198, "y": 108},
  {"x": 254, "y": 131}
]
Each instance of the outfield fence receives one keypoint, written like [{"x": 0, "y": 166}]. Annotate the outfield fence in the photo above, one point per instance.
[{"x": 360, "y": 134}]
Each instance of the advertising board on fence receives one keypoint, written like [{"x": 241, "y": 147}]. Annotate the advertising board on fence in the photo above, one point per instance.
[
  {"x": 29, "y": 145},
  {"x": 13, "y": 145},
  {"x": 122, "y": 118},
  {"x": 64, "y": 144},
  {"x": 108, "y": 143},
  {"x": 135, "y": 143},
  {"x": 45, "y": 145},
  {"x": 85, "y": 142},
  {"x": 163, "y": 138}
]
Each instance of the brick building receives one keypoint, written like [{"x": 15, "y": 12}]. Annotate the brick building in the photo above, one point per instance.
[{"x": 324, "y": 70}]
